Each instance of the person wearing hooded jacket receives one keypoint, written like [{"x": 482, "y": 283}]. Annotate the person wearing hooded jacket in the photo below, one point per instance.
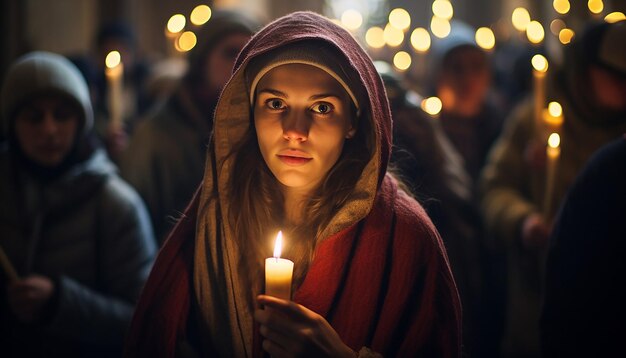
[
  {"x": 301, "y": 143},
  {"x": 77, "y": 235},
  {"x": 173, "y": 138},
  {"x": 591, "y": 87}
]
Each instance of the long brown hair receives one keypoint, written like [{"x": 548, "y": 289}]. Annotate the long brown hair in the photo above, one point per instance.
[{"x": 257, "y": 204}]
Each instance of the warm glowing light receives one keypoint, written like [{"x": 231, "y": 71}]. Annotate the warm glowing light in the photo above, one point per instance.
[
  {"x": 393, "y": 36},
  {"x": 534, "y": 32},
  {"x": 200, "y": 15},
  {"x": 561, "y": 6},
  {"x": 566, "y": 36},
  {"x": 278, "y": 244},
  {"x": 375, "y": 37},
  {"x": 113, "y": 59},
  {"x": 540, "y": 63},
  {"x": 556, "y": 26},
  {"x": 554, "y": 140},
  {"x": 400, "y": 19},
  {"x": 351, "y": 19},
  {"x": 176, "y": 23},
  {"x": 520, "y": 18},
  {"x": 402, "y": 60},
  {"x": 555, "y": 109},
  {"x": 595, "y": 6},
  {"x": 432, "y": 105},
  {"x": 420, "y": 39},
  {"x": 443, "y": 9},
  {"x": 485, "y": 38},
  {"x": 187, "y": 41},
  {"x": 615, "y": 17},
  {"x": 440, "y": 27}
]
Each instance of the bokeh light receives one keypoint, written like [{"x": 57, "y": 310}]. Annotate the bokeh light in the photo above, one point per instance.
[
  {"x": 540, "y": 63},
  {"x": 393, "y": 36},
  {"x": 187, "y": 41},
  {"x": 113, "y": 59},
  {"x": 200, "y": 15},
  {"x": 443, "y": 9},
  {"x": 520, "y": 18},
  {"x": 485, "y": 38},
  {"x": 566, "y": 36},
  {"x": 440, "y": 27},
  {"x": 351, "y": 19},
  {"x": 555, "y": 109},
  {"x": 615, "y": 17},
  {"x": 556, "y": 26},
  {"x": 375, "y": 37},
  {"x": 176, "y": 23},
  {"x": 432, "y": 105},
  {"x": 402, "y": 60},
  {"x": 561, "y": 6},
  {"x": 595, "y": 6},
  {"x": 420, "y": 39},
  {"x": 400, "y": 19},
  {"x": 554, "y": 140},
  {"x": 534, "y": 32}
]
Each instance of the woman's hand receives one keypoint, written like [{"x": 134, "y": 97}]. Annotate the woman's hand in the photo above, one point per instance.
[
  {"x": 27, "y": 297},
  {"x": 292, "y": 330}
]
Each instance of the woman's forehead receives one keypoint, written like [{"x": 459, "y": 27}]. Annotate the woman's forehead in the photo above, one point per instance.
[{"x": 297, "y": 77}]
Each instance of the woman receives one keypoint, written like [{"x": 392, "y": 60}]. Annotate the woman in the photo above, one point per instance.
[
  {"x": 301, "y": 142},
  {"x": 78, "y": 236}
]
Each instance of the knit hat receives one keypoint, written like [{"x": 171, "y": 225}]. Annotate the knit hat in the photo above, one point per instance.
[
  {"x": 306, "y": 53},
  {"x": 604, "y": 45},
  {"x": 39, "y": 73}
]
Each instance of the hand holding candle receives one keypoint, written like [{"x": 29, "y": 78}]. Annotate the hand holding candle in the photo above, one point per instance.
[{"x": 278, "y": 273}]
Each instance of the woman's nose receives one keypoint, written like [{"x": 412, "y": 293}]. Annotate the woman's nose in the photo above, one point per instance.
[{"x": 296, "y": 126}]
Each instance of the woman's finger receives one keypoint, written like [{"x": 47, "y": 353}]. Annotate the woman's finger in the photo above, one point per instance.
[
  {"x": 284, "y": 341},
  {"x": 277, "y": 321},
  {"x": 289, "y": 308},
  {"x": 274, "y": 349}
]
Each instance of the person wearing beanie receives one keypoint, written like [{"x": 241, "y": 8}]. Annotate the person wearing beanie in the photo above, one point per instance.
[
  {"x": 173, "y": 138},
  {"x": 461, "y": 78},
  {"x": 591, "y": 88},
  {"x": 301, "y": 143},
  {"x": 78, "y": 237}
]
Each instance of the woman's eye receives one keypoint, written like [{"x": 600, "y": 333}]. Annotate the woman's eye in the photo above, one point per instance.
[
  {"x": 275, "y": 104},
  {"x": 322, "y": 108}
]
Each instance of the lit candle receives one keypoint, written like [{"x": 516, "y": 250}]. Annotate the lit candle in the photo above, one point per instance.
[
  {"x": 278, "y": 272},
  {"x": 553, "y": 117},
  {"x": 114, "y": 73},
  {"x": 8, "y": 267},
  {"x": 553, "y": 151},
  {"x": 540, "y": 67}
]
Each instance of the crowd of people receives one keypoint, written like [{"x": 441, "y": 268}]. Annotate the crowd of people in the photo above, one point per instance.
[{"x": 429, "y": 237}]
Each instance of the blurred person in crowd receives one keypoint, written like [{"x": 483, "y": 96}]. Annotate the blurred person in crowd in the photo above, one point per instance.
[
  {"x": 301, "y": 143},
  {"x": 119, "y": 36},
  {"x": 165, "y": 160},
  {"x": 583, "y": 313},
  {"x": 425, "y": 158},
  {"x": 78, "y": 236},
  {"x": 591, "y": 88},
  {"x": 461, "y": 78}
]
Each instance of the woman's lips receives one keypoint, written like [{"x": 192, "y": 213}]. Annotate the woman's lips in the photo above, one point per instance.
[{"x": 294, "y": 157}]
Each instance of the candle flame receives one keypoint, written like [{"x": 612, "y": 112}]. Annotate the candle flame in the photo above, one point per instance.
[
  {"x": 554, "y": 140},
  {"x": 278, "y": 245},
  {"x": 555, "y": 109},
  {"x": 113, "y": 59},
  {"x": 539, "y": 63}
]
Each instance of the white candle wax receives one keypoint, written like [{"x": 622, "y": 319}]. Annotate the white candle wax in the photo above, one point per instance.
[
  {"x": 114, "y": 73},
  {"x": 278, "y": 273},
  {"x": 553, "y": 152}
]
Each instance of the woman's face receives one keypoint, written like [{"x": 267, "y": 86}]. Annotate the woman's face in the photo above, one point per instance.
[
  {"x": 46, "y": 128},
  {"x": 302, "y": 117}
]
